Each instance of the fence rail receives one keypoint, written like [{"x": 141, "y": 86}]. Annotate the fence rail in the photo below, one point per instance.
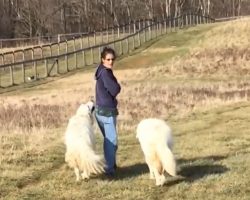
[{"x": 62, "y": 57}]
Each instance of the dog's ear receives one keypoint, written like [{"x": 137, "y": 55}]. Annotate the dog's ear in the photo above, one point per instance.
[{"x": 91, "y": 98}]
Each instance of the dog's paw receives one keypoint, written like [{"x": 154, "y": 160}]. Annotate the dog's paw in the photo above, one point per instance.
[
  {"x": 77, "y": 179},
  {"x": 160, "y": 181},
  {"x": 151, "y": 176},
  {"x": 85, "y": 176}
]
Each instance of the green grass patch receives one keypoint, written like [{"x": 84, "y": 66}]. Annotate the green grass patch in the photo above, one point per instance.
[{"x": 211, "y": 155}]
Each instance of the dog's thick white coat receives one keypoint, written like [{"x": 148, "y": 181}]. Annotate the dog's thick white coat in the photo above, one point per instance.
[
  {"x": 80, "y": 144},
  {"x": 156, "y": 142}
]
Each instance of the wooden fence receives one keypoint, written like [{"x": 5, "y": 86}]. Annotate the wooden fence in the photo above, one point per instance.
[
  {"x": 6, "y": 44},
  {"x": 58, "y": 58}
]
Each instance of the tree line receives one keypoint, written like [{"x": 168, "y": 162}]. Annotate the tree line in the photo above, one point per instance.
[{"x": 31, "y": 18}]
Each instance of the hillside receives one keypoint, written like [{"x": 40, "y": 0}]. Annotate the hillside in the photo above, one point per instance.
[{"x": 197, "y": 79}]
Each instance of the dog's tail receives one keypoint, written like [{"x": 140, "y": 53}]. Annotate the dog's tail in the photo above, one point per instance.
[
  {"x": 91, "y": 162},
  {"x": 85, "y": 159},
  {"x": 167, "y": 158}
]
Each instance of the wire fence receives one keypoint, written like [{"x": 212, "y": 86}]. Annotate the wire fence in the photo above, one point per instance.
[{"x": 39, "y": 62}]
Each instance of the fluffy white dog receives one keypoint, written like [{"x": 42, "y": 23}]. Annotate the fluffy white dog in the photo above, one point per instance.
[
  {"x": 156, "y": 142},
  {"x": 80, "y": 144}
]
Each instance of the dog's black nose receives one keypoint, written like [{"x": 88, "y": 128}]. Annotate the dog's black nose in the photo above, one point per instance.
[{"x": 93, "y": 108}]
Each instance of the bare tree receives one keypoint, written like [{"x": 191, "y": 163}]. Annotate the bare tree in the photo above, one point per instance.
[{"x": 19, "y": 18}]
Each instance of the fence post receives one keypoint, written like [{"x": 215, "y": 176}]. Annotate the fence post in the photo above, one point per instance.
[
  {"x": 34, "y": 63},
  {"x": 99, "y": 49},
  {"x": 118, "y": 31},
  {"x": 101, "y": 36},
  {"x": 88, "y": 39},
  {"x": 92, "y": 55},
  {"x": 121, "y": 50},
  {"x": 2, "y": 60},
  {"x": 23, "y": 66},
  {"x": 182, "y": 21},
  {"x": 2, "y": 63},
  {"x": 133, "y": 42},
  {"x": 153, "y": 29},
  {"x": 139, "y": 38},
  {"x": 36, "y": 74},
  {"x": 165, "y": 25},
  {"x": 161, "y": 27},
  {"x": 127, "y": 41},
  {"x": 186, "y": 19},
  {"x": 113, "y": 33},
  {"x": 134, "y": 24},
  {"x": 107, "y": 34},
  {"x": 83, "y": 53},
  {"x": 94, "y": 38},
  {"x": 144, "y": 31},
  {"x": 58, "y": 38},
  {"x": 35, "y": 67},
  {"x": 75, "y": 54},
  {"x": 66, "y": 56},
  {"x": 51, "y": 52},
  {"x": 129, "y": 27},
  {"x": 46, "y": 68},
  {"x": 41, "y": 53},
  {"x": 58, "y": 53},
  {"x": 156, "y": 28},
  {"x": 11, "y": 75},
  {"x": 123, "y": 30},
  {"x": 149, "y": 28},
  {"x": 179, "y": 20},
  {"x": 13, "y": 66},
  {"x": 170, "y": 23}
]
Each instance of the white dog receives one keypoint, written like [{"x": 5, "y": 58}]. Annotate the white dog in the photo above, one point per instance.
[
  {"x": 80, "y": 144},
  {"x": 156, "y": 142}
]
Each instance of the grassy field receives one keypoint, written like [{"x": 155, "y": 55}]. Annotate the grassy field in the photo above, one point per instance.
[{"x": 197, "y": 79}]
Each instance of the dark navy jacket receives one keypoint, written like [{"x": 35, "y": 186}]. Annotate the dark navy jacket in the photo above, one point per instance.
[{"x": 107, "y": 88}]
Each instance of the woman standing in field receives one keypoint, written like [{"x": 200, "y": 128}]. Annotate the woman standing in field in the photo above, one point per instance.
[{"x": 107, "y": 88}]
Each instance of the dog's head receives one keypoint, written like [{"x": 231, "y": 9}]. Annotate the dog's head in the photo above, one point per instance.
[{"x": 86, "y": 109}]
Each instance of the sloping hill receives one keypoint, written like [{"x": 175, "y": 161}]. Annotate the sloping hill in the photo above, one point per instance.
[{"x": 197, "y": 79}]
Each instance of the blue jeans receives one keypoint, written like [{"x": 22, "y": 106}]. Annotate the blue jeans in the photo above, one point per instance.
[{"x": 108, "y": 129}]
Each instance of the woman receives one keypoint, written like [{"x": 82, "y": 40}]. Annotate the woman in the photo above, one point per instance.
[{"x": 107, "y": 88}]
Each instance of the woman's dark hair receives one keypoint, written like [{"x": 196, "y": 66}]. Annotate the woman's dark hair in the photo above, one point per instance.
[{"x": 107, "y": 50}]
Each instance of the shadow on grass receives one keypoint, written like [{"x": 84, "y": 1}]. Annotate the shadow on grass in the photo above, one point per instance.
[
  {"x": 190, "y": 170},
  {"x": 211, "y": 158},
  {"x": 132, "y": 171},
  {"x": 129, "y": 171},
  {"x": 195, "y": 172},
  {"x": 194, "y": 169}
]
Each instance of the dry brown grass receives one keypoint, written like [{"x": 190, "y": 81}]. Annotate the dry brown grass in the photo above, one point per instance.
[
  {"x": 196, "y": 92},
  {"x": 218, "y": 57}
]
